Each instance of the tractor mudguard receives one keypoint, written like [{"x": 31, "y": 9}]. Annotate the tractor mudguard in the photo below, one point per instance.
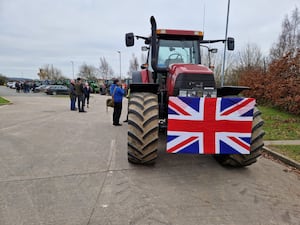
[
  {"x": 151, "y": 88},
  {"x": 230, "y": 90}
]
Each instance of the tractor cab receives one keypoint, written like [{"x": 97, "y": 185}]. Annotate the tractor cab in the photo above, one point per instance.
[
  {"x": 169, "y": 47},
  {"x": 177, "y": 46}
]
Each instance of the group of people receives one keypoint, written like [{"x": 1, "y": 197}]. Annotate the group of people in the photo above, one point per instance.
[
  {"x": 81, "y": 93},
  {"x": 25, "y": 87}
]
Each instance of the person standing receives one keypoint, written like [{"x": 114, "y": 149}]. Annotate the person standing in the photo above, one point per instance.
[
  {"x": 87, "y": 92},
  {"x": 117, "y": 93},
  {"x": 18, "y": 87},
  {"x": 72, "y": 95},
  {"x": 79, "y": 95},
  {"x": 33, "y": 87}
]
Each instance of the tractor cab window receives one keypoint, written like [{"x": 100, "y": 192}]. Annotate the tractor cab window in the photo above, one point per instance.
[{"x": 177, "y": 51}]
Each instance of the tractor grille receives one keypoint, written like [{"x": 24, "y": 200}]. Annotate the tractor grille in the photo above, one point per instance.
[{"x": 190, "y": 81}]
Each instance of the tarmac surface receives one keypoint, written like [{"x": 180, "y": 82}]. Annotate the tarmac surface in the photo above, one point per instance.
[{"x": 67, "y": 168}]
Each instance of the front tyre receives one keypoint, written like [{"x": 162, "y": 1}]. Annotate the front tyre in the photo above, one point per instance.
[
  {"x": 257, "y": 143},
  {"x": 142, "y": 128}
]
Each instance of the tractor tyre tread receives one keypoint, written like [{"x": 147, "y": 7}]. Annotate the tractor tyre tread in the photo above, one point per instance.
[
  {"x": 237, "y": 160},
  {"x": 143, "y": 128}
]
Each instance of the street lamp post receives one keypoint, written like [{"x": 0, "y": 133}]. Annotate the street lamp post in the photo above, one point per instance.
[
  {"x": 120, "y": 64},
  {"x": 73, "y": 68},
  {"x": 225, "y": 45}
]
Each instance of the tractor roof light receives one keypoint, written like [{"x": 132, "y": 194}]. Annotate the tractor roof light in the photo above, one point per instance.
[{"x": 179, "y": 32}]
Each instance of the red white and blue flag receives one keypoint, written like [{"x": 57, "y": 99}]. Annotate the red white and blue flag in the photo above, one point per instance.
[{"x": 210, "y": 125}]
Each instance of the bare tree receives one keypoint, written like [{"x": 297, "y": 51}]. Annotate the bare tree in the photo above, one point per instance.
[
  {"x": 216, "y": 63},
  {"x": 88, "y": 72},
  {"x": 48, "y": 72},
  {"x": 133, "y": 64},
  {"x": 43, "y": 75},
  {"x": 289, "y": 39},
  {"x": 105, "y": 70},
  {"x": 250, "y": 57}
]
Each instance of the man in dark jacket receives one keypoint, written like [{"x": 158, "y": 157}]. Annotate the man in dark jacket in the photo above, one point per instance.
[
  {"x": 79, "y": 95},
  {"x": 86, "y": 91},
  {"x": 72, "y": 95},
  {"x": 117, "y": 92}
]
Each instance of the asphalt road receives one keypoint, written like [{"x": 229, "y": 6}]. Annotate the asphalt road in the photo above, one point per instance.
[{"x": 67, "y": 168}]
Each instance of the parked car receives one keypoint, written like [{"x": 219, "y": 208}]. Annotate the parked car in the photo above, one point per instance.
[
  {"x": 11, "y": 84},
  {"x": 41, "y": 88},
  {"x": 57, "y": 90}
]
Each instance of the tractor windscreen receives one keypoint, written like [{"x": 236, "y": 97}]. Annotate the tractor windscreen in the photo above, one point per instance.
[{"x": 177, "y": 51}]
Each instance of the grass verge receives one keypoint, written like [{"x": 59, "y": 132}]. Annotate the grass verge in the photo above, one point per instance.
[
  {"x": 3, "y": 101},
  {"x": 280, "y": 125},
  {"x": 291, "y": 151}
]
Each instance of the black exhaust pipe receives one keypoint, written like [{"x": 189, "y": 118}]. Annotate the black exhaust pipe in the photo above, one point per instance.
[{"x": 153, "y": 43}]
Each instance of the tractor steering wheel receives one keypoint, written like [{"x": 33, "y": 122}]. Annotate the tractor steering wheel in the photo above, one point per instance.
[
  {"x": 178, "y": 56},
  {"x": 177, "y": 59}
]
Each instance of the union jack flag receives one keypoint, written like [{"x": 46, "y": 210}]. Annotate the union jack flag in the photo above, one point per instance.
[{"x": 209, "y": 125}]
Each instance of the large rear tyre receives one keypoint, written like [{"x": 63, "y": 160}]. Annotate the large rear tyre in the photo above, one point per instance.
[
  {"x": 142, "y": 128},
  {"x": 257, "y": 143}
]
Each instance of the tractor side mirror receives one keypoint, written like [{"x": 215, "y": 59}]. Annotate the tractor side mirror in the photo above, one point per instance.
[
  {"x": 230, "y": 44},
  {"x": 129, "y": 38}
]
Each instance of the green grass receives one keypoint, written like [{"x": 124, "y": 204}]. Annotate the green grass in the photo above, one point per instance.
[
  {"x": 280, "y": 125},
  {"x": 291, "y": 151},
  {"x": 3, "y": 101}
]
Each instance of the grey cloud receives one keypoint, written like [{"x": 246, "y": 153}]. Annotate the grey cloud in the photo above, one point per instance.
[{"x": 38, "y": 32}]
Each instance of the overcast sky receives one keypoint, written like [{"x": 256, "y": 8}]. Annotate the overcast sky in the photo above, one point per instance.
[{"x": 34, "y": 33}]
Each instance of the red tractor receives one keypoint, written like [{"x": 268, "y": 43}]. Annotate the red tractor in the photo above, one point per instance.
[{"x": 174, "y": 68}]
